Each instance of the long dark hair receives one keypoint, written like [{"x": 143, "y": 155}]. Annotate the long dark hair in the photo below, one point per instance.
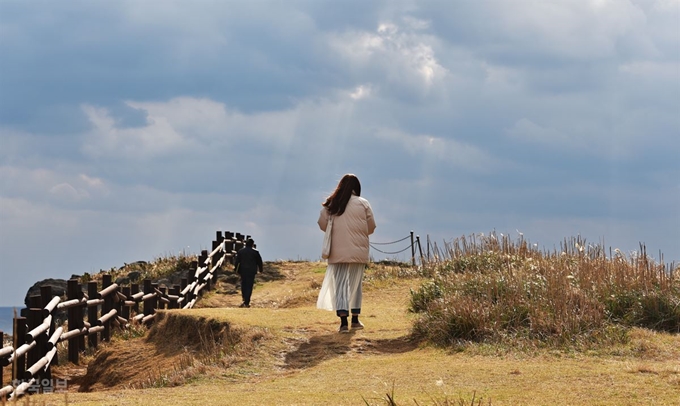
[{"x": 337, "y": 202}]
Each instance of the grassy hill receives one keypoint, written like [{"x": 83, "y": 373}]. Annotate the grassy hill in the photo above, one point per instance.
[{"x": 284, "y": 351}]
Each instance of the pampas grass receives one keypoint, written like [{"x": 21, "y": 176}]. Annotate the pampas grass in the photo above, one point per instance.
[{"x": 494, "y": 289}]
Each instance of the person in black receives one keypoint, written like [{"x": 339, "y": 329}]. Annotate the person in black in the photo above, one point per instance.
[{"x": 248, "y": 262}]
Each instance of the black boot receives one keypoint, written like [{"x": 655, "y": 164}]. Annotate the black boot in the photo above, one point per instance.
[{"x": 344, "y": 328}]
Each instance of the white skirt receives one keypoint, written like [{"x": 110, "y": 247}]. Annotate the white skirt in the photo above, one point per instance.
[{"x": 341, "y": 288}]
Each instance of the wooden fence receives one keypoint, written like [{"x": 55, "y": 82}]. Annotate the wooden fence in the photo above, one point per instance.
[{"x": 35, "y": 336}]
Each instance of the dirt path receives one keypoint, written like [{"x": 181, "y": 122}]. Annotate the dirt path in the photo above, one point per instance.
[
  {"x": 298, "y": 336},
  {"x": 291, "y": 354}
]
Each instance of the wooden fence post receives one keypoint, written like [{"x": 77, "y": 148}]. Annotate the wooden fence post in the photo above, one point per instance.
[
  {"x": 125, "y": 313},
  {"x": 229, "y": 245},
  {"x": 107, "y": 307},
  {"x": 46, "y": 293},
  {"x": 2, "y": 343},
  {"x": 174, "y": 292},
  {"x": 420, "y": 249},
  {"x": 239, "y": 242},
  {"x": 221, "y": 257},
  {"x": 191, "y": 278},
  {"x": 19, "y": 366},
  {"x": 93, "y": 338},
  {"x": 46, "y": 297},
  {"x": 219, "y": 238},
  {"x": 201, "y": 263},
  {"x": 34, "y": 320},
  {"x": 413, "y": 250},
  {"x": 155, "y": 302},
  {"x": 116, "y": 304},
  {"x": 214, "y": 261},
  {"x": 161, "y": 304},
  {"x": 148, "y": 304},
  {"x": 134, "y": 289},
  {"x": 74, "y": 313}
]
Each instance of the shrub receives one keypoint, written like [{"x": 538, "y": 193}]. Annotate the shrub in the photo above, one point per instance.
[
  {"x": 495, "y": 288},
  {"x": 427, "y": 293}
]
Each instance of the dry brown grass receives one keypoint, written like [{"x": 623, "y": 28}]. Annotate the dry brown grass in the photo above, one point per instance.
[
  {"x": 287, "y": 352},
  {"x": 494, "y": 289},
  {"x": 159, "y": 267}
]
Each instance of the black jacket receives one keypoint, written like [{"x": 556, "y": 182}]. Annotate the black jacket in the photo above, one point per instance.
[{"x": 248, "y": 261}]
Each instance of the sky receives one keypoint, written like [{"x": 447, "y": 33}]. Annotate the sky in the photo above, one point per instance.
[{"x": 135, "y": 130}]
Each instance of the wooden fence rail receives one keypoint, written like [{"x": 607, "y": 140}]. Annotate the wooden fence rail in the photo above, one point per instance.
[{"x": 35, "y": 337}]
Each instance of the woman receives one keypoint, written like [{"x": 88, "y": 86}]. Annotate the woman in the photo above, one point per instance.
[{"x": 352, "y": 224}]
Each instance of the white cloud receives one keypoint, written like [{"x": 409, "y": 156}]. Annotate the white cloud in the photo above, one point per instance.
[
  {"x": 43, "y": 184},
  {"x": 498, "y": 76},
  {"x": 404, "y": 57},
  {"x": 68, "y": 193},
  {"x": 361, "y": 92},
  {"x": 184, "y": 125},
  {"x": 417, "y": 23},
  {"x": 446, "y": 150},
  {"x": 28, "y": 217},
  {"x": 91, "y": 181},
  {"x": 157, "y": 138},
  {"x": 260, "y": 105},
  {"x": 572, "y": 29},
  {"x": 664, "y": 71},
  {"x": 528, "y": 131}
]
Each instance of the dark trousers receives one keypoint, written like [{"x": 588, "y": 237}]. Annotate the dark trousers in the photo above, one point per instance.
[
  {"x": 247, "y": 282},
  {"x": 344, "y": 313}
]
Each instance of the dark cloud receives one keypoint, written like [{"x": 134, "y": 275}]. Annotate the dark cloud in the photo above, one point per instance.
[{"x": 131, "y": 129}]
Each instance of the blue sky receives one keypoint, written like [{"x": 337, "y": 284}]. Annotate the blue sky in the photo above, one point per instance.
[{"x": 132, "y": 130}]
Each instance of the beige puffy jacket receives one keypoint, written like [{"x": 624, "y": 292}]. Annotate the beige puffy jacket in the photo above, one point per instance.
[{"x": 349, "y": 235}]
